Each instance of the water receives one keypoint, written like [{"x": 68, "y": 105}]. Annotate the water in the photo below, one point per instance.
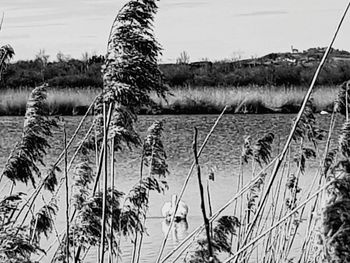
[{"x": 221, "y": 153}]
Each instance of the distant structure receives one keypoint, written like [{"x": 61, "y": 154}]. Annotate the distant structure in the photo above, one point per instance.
[{"x": 294, "y": 50}]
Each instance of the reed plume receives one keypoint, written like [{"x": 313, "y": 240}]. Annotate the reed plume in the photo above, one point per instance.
[
  {"x": 344, "y": 140},
  {"x": 342, "y": 100},
  {"x": 83, "y": 177},
  {"x": 131, "y": 72},
  {"x": 86, "y": 229},
  {"x": 247, "y": 151},
  {"x": 225, "y": 228},
  {"x": 16, "y": 245},
  {"x": 154, "y": 155},
  {"x": 307, "y": 127},
  {"x": 43, "y": 222},
  {"x": 50, "y": 181},
  {"x": 301, "y": 158},
  {"x": 6, "y": 53},
  {"x": 8, "y": 206},
  {"x": 254, "y": 194},
  {"x": 122, "y": 129},
  {"x": 329, "y": 161},
  {"x": 262, "y": 149},
  {"x": 22, "y": 165}
]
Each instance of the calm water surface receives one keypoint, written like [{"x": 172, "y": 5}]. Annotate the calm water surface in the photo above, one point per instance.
[{"x": 222, "y": 153}]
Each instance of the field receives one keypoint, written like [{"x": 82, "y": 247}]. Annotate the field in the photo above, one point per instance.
[{"x": 182, "y": 100}]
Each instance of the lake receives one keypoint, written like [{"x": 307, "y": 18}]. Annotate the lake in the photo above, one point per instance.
[{"x": 221, "y": 153}]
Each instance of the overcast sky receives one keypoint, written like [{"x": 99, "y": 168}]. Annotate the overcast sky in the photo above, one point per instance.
[{"x": 213, "y": 29}]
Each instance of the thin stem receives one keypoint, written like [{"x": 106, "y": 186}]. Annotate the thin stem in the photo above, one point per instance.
[
  {"x": 210, "y": 207},
  {"x": 346, "y": 102},
  {"x": 100, "y": 164},
  {"x": 150, "y": 168},
  {"x": 2, "y": 21},
  {"x": 201, "y": 192},
  {"x": 105, "y": 184},
  {"x": 76, "y": 131},
  {"x": 112, "y": 198},
  {"x": 67, "y": 190}
]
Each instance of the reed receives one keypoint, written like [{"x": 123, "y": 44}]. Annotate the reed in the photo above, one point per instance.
[
  {"x": 252, "y": 99},
  {"x": 59, "y": 101},
  {"x": 181, "y": 100},
  {"x": 6, "y": 53},
  {"x": 203, "y": 207}
]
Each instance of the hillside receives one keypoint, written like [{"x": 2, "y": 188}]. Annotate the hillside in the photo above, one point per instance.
[{"x": 278, "y": 69}]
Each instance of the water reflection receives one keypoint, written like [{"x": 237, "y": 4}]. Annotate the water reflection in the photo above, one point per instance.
[{"x": 178, "y": 231}]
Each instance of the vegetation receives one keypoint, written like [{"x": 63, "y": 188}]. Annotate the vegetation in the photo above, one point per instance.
[
  {"x": 268, "y": 211},
  {"x": 189, "y": 100},
  {"x": 284, "y": 69}
]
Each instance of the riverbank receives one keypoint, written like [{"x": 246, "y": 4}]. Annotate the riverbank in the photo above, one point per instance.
[{"x": 184, "y": 100}]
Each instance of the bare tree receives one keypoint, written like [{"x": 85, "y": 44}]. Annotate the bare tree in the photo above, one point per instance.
[
  {"x": 43, "y": 58},
  {"x": 85, "y": 57},
  {"x": 62, "y": 57},
  {"x": 236, "y": 56},
  {"x": 184, "y": 58}
]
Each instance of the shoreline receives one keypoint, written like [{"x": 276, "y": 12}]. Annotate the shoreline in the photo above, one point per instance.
[{"x": 184, "y": 100}]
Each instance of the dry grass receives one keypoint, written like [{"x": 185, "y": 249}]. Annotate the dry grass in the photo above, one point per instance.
[
  {"x": 252, "y": 99},
  {"x": 60, "y": 101},
  {"x": 187, "y": 100}
]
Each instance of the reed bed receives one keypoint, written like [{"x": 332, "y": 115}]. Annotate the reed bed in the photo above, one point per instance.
[
  {"x": 59, "y": 101},
  {"x": 182, "y": 100},
  {"x": 252, "y": 99}
]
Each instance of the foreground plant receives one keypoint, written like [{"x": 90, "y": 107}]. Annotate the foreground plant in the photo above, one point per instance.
[
  {"x": 20, "y": 241},
  {"x": 130, "y": 73},
  {"x": 6, "y": 53},
  {"x": 22, "y": 165}
]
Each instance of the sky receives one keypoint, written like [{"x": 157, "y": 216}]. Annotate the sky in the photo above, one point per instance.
[{"x": 205, "y": 29}]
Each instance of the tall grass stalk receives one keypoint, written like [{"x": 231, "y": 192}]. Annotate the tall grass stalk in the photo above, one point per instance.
[
  {"x": 105, "y": 184},
  {"x": 102, "y": 150},
  {"x": 201, "y": 192},
  {"x": 111, "y": 240},
  {"x": 67, "y": 190}
]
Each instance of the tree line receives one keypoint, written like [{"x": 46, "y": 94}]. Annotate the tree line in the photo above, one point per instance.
[{"x": 68, "y": 72}]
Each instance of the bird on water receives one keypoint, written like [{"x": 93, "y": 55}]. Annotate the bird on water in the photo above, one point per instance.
[{"x": 169, "y": 208}]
